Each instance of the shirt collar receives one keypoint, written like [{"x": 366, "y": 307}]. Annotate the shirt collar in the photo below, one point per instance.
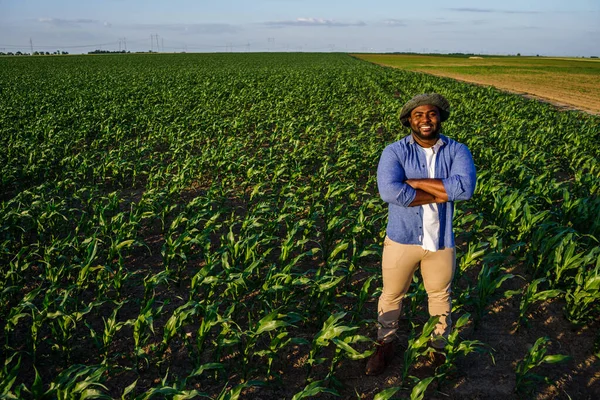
[{"x": 441, "y": 141}]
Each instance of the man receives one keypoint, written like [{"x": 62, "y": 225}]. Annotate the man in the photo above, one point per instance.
[{"x": 420, "y": 177}]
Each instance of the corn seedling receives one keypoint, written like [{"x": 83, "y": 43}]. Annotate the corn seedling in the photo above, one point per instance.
[
  {"x": 313, "y": 389},
  {"x": 456, "y": 347},
  {"x": 583, "y": 298},
  {"x": 535, "y": 357},
  {"x": 418, "y": 345},
  {"x": 529, "y": 296}
]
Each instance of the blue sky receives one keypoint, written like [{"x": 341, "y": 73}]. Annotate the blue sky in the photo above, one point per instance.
[{"x": 545, "y": 27}]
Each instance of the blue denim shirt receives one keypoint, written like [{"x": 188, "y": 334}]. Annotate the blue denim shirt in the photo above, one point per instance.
[{"x": 402, "y": 160}]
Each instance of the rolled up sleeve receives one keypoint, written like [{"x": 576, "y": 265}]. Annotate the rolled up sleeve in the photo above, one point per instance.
[
  {"x": 390, "y": 180},
  {"x": 460, "y": 185}
]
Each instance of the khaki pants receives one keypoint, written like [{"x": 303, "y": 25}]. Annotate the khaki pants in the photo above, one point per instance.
[{"x": 400, "y": 261}]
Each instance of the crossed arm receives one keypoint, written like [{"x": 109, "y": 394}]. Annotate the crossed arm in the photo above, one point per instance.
[
  {"x": 428, "y": 191},
  {"x": 395, "y": 188}
]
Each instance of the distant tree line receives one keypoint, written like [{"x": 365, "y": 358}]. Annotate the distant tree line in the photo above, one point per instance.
[
  {"x": 35, "y": 53},
  {"x": 59, "y": 52},
  {"x": 108, "y": 52}
]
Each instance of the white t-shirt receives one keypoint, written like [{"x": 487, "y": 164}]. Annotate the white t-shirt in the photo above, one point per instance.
[{"x": 431, "y": 218}]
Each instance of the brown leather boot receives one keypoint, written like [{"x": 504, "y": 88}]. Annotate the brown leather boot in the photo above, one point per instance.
[{"x": 384, "y": 353}]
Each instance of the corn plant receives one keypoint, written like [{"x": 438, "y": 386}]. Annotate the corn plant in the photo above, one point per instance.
[
  {"x": 530, "y": 295},
  {"x": 229, "y": 334},
  {"x": 535, "y": 357},
  {"x": 63, "y": 324},
  {"x": 530, "y": 221},
  {"x": 277, "y": 343},
  {"x": 180, "y": 317},
  {"x": 334, "y": 332},
  {"x": 313, "y": 389},
  {"x": 25, "y": 309},
  {"x": 235, "y": 392},
  {"x": 489, "y": 280},
  {"x": 418, "y": 391},
  {"x": 567, "y": 258},
  {"x": 143, "y": 329},
  {"x": 583, "y": 298},
  {"x": 248, "y": 340},
  {"x": 111, "y": 327},
  {"x": 77, "y": 381},
  {"x": 387, "y": 394},
  {"x": 418, "y": 345},
  {"x": 474, "y": 252},
  {"x": 210, "y": 319},
  {"x": 363, "y": 295},
  {"x": 8, "y": 376},
  {"x": 456, "y": 347},
  {"x": 323, "y": 290},
  {"x": 175, "y": 251}
]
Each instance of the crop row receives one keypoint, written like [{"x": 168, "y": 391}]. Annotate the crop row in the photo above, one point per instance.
[{"x": 187, "y": 225}]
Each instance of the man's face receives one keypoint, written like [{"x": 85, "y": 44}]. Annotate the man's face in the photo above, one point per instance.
[{"x": 425, "y": 122}]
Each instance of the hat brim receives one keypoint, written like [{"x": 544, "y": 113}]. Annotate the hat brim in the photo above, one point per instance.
[{"x": 433, "y": 99}]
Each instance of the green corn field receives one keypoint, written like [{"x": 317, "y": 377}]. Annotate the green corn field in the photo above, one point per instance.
[{"x": 208, "y": 226}]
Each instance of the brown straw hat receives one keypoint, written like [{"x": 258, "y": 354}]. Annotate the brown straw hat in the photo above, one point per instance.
[{"x": 433, "y": 99}]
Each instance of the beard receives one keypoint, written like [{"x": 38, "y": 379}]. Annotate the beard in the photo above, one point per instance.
[{"x": 434, "y": 134}]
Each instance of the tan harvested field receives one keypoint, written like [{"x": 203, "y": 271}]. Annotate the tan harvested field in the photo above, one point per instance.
[{"x": 565, "y": 82}]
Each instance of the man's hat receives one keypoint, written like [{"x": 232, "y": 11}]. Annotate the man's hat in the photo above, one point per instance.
[{"x": 433, "y": 99}]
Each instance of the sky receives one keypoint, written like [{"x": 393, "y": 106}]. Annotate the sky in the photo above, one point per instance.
[{"x": 528, "y": 27}]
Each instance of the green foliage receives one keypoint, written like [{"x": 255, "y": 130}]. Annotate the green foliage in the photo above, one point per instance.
[
  {"x": 312, "y": 389},
  {"x": 530, "y": 295},
  {"x": 418, "y": 345},
  {"x": 386, "y": 394},
  {"x": 535, "y": 357},
  {"x": 457, "y": 347},
  {"x": 220, "y": 211}
]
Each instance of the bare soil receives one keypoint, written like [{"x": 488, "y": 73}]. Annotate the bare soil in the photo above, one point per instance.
[{"x": 572, "y": 92}]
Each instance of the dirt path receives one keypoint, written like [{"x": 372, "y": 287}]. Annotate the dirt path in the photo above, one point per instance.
[{"x": 568, "y": 93}]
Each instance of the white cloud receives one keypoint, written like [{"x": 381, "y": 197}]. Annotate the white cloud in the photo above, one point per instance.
[
  {"x": 67, "y": 22},
  {"x": 313, "y": 22},
  {"x": 490, "y": 10},
  {"x": 394, "y": 22}
]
